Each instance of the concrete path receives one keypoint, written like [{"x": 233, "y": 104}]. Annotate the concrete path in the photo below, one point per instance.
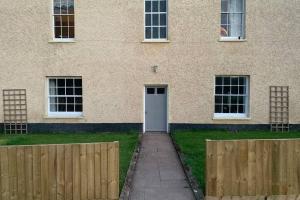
[{"x": 159, "y": 174}]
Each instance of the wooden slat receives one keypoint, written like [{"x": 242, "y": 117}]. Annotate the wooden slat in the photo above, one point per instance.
[
  {"x": 21, "y": 173},
  {"x": 36, "y": 167},
  {"x": 28, "y": 173},
  {"x": 12, "y": 172},
  {"x": 228, "y": 149},
  {"x": 83, "y": 172},
  {"x": 4, "y": 174},
  {"x": 97, "y": 171},
  {"x": 45, "y": 172},
  {"x": 251, "y": 168},
  {"x": 91, "y": 170},
  {"x": 52, "y": 172},
  {"x": 220, "y": 171},
  {"x": 243, "y": 159},
  {"x": 76, "y": 172},
  {"x": 104, "y": 171},
  {"x": 259, "y": 172},
  {"x": 60, "y": 171},
  {"x": 113, "y": 171},
  {"x": 68, "y": 173}
]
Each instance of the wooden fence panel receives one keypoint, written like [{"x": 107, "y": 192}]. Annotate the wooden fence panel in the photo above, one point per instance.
[
  {"x": 252, "y": 168},
  {"x": 60, "y": 172}
]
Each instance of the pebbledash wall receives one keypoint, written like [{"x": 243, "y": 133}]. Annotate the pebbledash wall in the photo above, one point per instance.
[{"x": 115, "y": 64}]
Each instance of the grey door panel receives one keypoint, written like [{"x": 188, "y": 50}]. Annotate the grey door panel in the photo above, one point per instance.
[{"x": 156, "y": 109}]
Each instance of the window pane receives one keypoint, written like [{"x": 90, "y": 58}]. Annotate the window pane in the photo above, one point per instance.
[
  {"x": 218, "y": 100},
  {"x": 61, "y": 91},
  {"x": 225, "y": 109},
  {"x": 148, "y": 32},
  {"x": 148, "y": 20},
  {"x": 61, "y": 107},
  {"x": 78, "y": 91},
  {"x": 218, "y": 109},
  {"x": 78, "y": 83},
  {"x": 155, "y": 32},
  {"x": 234, "y": 99},
  {"x": 61, "y": 82},
  {"x": 233, "y": 109},
  {"x": 71, "y": 7},
  {"x": 226, "y": 90},
  {"x": 155, "y": 19},
  {"x": 69, "y": 82},
  {"x": 52, "y": 91},
  {"x": 61, "y": 100},
  {"x": 70, "y": 108},
  {"x": 56, "y": 5},
  {"x": 234, "y": 89},
  {"x": 224, "y": 19},
  {"x": 163, "y": 19},
  {"x": 78, "y": 100},
  {"x": 52, "y": 83},
  {"x": 70, "y": 99},
  {"x": 241, "y": 109},
  {"x": 236, "y": 5},
  {"x": 163, "y": 32},
  {"x": 219, "y": 90},
  {"x": 57, "y": 20},
  {"x": 148, "y": 6},
  {"x": 219, "y": 81},
  {"x": 71, "y": 20},
  {"x": 226, "y": 80},
  {"x": 64, "y": 6},
  {"x": 160, "y": 90},
  {"x": 69, "y": 91},
  {"x": 154, "y": 6},
  {"x": 150, "y": 90},
  {"x": 241, "y": 100},
  {"x": 78, "y": 108},
  {"x": 64, "y": 20},
  {"x": 163, "y": 6},
  {"x": 71, "y": 32},
  {"x": 234, "y": 81},
  {"x": 65, "y": 32},
  {"x": 224, "y": 5},
  {"x": 53, "y": 100},
  {"x": 224, "y": 31},
  {"x": 226, "y": 99},
  {"x": 242, "y": 90},
  {"x": 242, "y": 81},
  {"x": 57, "y": 32},
  {"x": 53, "y": 107}
]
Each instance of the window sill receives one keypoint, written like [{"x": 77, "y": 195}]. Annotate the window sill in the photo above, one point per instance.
[
  {"x": 232, "y": 40},
  {"x": 232, "y": 118},
  {"x": 62, "y": 41},
  {"x": 64, "y": 117},
  {"x": 155, "y": 41}
]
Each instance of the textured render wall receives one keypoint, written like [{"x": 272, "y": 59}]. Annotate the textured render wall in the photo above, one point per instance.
[{"x": 115, "y": 64}]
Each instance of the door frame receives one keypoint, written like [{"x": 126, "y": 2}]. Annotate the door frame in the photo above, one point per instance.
[{"x": 144, "y": 104}]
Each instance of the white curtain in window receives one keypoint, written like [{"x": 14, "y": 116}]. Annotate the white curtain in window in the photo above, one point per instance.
[{"x": 236, "y": 10}]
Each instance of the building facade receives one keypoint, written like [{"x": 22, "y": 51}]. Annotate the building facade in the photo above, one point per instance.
[{"x": 151, "y": 65}]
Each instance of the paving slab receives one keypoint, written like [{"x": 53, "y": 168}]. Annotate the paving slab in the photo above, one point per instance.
[{"x": 159, "y": 174}]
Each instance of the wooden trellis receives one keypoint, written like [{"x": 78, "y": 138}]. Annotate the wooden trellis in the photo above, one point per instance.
[
  {"x": 279, "y": 108},
  {"x": 15, "y": 111}
]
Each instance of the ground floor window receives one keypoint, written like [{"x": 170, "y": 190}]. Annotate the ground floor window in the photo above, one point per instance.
[
  {"x": 231, "y": 96},
  {"x": 65, "y": 96}
]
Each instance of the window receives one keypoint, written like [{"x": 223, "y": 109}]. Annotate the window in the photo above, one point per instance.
[
  {"x": 63, "y": 17},
  {"x": 231, "y": 96},
  {"x": 65, "y": 96},
  {"x": 233, "y": 19},
  {"x": 156, "y": 19}
]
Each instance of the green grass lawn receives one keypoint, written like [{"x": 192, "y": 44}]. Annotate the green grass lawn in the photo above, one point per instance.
[
  {"x": 128, "y": 142},
  {"x": 192, "y": 145}
]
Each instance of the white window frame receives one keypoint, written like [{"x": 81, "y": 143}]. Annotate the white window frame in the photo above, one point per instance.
[
  {"x": 54, "y": 39},
  {"x": 167, "y": 25},
  {"x": 244, "y": 115},
  {"x": 230, "y": 38},
  {"x": 62, "y": 114}
]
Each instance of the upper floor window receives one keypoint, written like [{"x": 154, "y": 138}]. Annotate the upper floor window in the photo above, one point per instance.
[
  {"x": 231, "y": 96},
  {"x": 156, "y": 14},
  {"x": 64, "y": 96},
  {"x": 233, "y": 19},
  {"x": 63, "y": 17}
]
